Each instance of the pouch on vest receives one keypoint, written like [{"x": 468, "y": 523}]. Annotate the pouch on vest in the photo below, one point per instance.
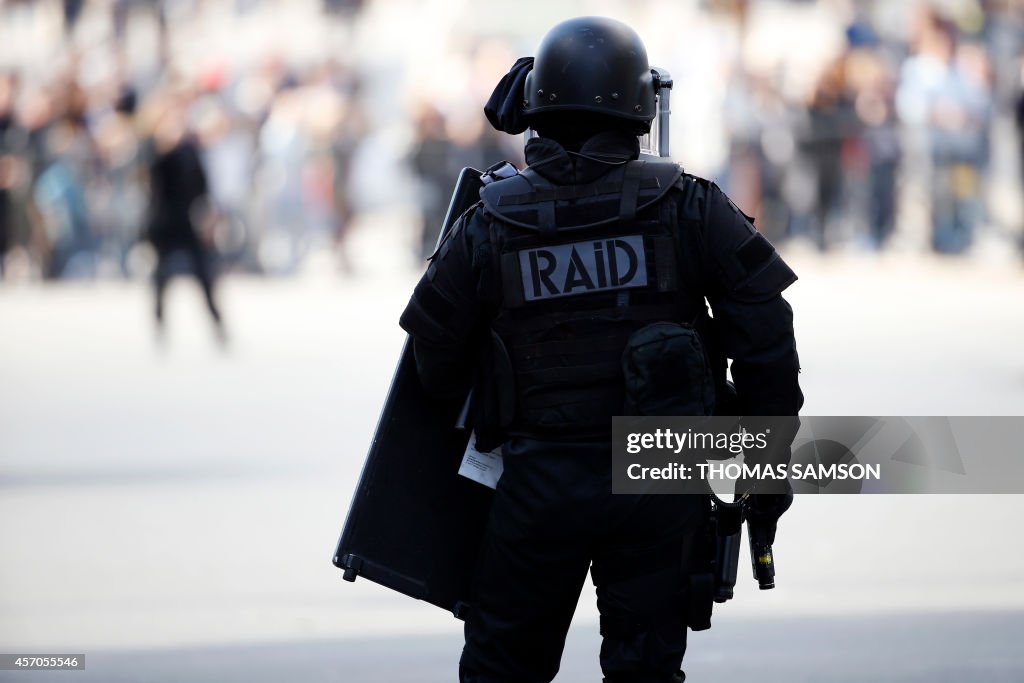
[
  {"x": 494, "y": 396},
  {"x": 699, "y": 601},
  {"x": 666, "y": 372}
]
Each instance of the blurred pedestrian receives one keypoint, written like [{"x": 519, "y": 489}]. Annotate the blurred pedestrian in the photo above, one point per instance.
[
  {"x": 961, "y": 117},
  {"x": 59, "y": 194},
  {"x": 6, "y": 230},
  {"x": 431, "y": 161},
  {"x": 879, "y": 142},
  {"x": 119, "y": 195},
  {"x": 348, "y": 136},
  {"x": 7, "y": 126},
  {"x": 283, "y": 152},
  {"x": 228, "y": 150},
  {"x": 1019, "y": 117},
  {"x": 945, "y": 92},
  {"x": 178, "y": 194},
  {"x": 832, "y": 124}
]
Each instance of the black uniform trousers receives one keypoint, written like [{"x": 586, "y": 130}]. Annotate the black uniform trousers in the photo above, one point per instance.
[{"x": 554, "y": 517}]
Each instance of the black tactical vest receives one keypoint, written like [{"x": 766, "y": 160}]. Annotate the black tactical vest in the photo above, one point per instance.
[{"x": 582, "y": 267}]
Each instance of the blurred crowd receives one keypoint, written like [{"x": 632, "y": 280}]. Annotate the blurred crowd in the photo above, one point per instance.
[
  {"x": 246, "y": 168},
  {"x": 110, "y": 168},
  {"x": 896, "y": 128}
]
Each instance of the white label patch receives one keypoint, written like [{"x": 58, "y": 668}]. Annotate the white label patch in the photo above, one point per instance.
[
  {"x": 583, "y": 267},
  {"x": 483, "y": 468}
]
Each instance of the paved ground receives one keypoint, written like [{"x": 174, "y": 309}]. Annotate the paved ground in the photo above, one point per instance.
[
  {"x": 897, "y": 649},
  {"x": 172, "y": 511}
]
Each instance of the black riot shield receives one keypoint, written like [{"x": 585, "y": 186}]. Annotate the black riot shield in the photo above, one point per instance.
[{"x": 414, "y": 525}]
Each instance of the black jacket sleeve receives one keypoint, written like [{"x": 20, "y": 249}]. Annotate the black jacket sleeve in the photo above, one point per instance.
[
  {"x": 745, "y": 279},
  {"x": 445, "y": 315}
]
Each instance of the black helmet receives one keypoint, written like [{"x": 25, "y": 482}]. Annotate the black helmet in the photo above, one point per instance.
[{"x": 592, "y": 64}]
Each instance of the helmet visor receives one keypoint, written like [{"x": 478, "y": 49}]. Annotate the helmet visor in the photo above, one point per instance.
[{"x": 649, "y": 143}]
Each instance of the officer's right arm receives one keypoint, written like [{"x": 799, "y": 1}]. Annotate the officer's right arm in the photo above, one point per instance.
[{"x": 443, "y": 314}]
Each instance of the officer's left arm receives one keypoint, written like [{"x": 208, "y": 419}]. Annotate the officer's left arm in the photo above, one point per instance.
[
  {"x": 755, "y": 324},
  {"x": 758, "y": 337},
  {"x": 444, "y": 313},
  {"x": 745, "y": 284}
]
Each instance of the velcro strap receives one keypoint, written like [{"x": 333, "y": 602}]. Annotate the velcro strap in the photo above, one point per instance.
[
  {"x": 665, "y": 262},
  {"x": 526, "y": 352},
  {"x": 546, "y": 218},
  {"x": 543, "y": 398},
  {"x": 754, "y": 251},
  {"x": 645, "y": 312},
  {"x": 511, "y": 281},
  {"x": 564, "y": 193},
  {"x": 575, "y": 374},
  {"x": 631, "y": 190}
]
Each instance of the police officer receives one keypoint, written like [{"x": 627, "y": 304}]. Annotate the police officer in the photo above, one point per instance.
[{"x": 532, "y": 301}]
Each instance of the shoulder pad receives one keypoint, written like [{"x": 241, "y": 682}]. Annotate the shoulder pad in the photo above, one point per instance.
[
  {"x": 444, "y": 244},
  {"x": 528, "y": 200},
  {"x": 694, "y": 193},
  {"x": 749, "y": 268}
]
